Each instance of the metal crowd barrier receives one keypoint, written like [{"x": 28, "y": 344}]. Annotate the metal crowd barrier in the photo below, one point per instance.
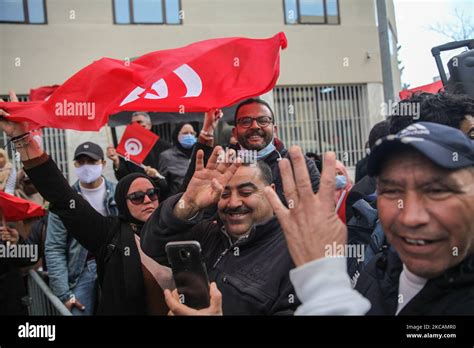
[{"x": 41, "y": 300}]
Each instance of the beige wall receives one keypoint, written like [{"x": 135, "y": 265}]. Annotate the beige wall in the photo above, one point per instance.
[{"x": 316, "y": 53}]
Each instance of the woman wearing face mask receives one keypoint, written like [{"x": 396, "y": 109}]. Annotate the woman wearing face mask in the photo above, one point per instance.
[
  {"x": 173, "y": 163},
  {"x": 343, "y": 186},
  {"x": 126, "y": 282},
  {"x": 7, "y": 173}
]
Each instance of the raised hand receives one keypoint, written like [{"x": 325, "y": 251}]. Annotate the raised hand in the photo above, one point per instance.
[
  {"x": 207, "y": 183},
  {"x": 211, "y": 119},
  {"x": 12, "y": 129},
  {"x": 311, "y": 224}
]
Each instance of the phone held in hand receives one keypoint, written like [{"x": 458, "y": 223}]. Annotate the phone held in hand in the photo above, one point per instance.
[{"x": 189, "y": 273}]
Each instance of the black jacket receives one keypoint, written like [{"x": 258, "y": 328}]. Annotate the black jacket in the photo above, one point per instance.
[
  {"x": 110, "y": 239},
  {"x": 449, "y": 294},
  {"x": 251, "y": 273},
  {"x": 272, "y": 161}
]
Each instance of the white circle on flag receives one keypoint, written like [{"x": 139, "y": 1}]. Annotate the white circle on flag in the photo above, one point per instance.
[{"x": 133, "y": 146}]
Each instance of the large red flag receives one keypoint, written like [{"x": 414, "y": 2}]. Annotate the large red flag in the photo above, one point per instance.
[
  {"x": 207, "y": 74},
  {"x": 433, "y": 88},
  {"x": 17, "y": 209},
  {"x": 136, "y": 143}
]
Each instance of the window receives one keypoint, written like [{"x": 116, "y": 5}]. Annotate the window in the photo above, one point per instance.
[
  {"x": 311, "y": 11},
  {"x": 391, "y": 40},
  {"x": 147, "y": 12},
  {"x": 324, "y": 118},
  {"x": 23, "y": 11}
]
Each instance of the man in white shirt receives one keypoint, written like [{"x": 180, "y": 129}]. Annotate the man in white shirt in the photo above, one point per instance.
[
  {"x": 425, "y": 186},
  {"x": 72, "y": 270}
]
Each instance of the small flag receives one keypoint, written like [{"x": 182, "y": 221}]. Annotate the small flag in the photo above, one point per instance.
[{"x": 136, "y": 143}]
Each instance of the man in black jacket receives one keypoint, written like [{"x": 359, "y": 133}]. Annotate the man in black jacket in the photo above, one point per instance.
[
  {"x": 425, "y": 187},
  {"x": 255, "y": 131},
  {"x": 244, "y": 250}
]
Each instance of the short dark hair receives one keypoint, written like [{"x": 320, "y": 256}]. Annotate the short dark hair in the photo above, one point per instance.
[
  {"x": 443, "y": 108},
  {"x": 317, "y": 160},
  {"x": 378, "y": 131},
  {"x": 252, "y": 101},
  {"x": 265, "y": 171}
]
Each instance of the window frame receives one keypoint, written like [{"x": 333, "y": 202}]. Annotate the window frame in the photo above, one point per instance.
[
  {"x": 27, "y": 15},
  {"x": 132, "y": 19},
  {"x": 298, "y": 19}
]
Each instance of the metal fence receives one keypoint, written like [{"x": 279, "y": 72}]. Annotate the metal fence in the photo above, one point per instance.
[
  {"x": 324, "y": 118},
  {"x": 54, "y": 143},
  {"x": 41, "y": 300}
]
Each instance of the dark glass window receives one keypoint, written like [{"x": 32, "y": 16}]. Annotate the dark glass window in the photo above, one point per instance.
[
  {"x": 147, "y": 11},
  {"x": 311, "y": 11},
  {"x": 23, "y": 11}
]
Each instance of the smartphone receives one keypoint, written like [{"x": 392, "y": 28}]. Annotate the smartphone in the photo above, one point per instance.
[{"x": 189, "y": 273}]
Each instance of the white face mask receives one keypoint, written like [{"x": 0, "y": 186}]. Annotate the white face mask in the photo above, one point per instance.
[{"x": 88, "y": 173}]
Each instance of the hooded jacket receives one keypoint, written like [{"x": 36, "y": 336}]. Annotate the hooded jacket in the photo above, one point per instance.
[
  {"x": 452, "y": 293},
  {"x": 111, "y": 239},
  {"x": 252, "y": 272}
]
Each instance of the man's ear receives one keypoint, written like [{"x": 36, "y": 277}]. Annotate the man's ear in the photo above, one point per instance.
[
  {"x": 275, "y": 131},
  {"x": 234, "y": 132},
  {"x": 104, "y": 162},
  {"x": 273, "y": 187}
]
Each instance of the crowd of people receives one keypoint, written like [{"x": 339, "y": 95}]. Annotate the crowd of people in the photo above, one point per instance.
[{"x": 283, "y": 234}]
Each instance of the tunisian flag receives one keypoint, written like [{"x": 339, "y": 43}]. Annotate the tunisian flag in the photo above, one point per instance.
[
  {"x": 136, "y": 143},
  {"x": 208, "y": 74},
  {"x": 16, "y": 209},
  {"x": 429, "y": 88}
]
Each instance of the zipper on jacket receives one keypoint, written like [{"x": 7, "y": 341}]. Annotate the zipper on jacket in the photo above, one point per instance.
[{"x": 231, "y": 245}]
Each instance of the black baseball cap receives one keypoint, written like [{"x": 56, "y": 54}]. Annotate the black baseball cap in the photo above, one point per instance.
[
  {"x": 445, "y": 146},
  {"x": 90, "y": 149}
]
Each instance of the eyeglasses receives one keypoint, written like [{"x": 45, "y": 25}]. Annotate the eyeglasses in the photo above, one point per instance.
[
  {"x": 139, "y": 196},
  {"x": 262, "y": 121}
]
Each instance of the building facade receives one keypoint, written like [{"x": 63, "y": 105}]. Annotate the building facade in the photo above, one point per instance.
[{"x": 330, "y": 90}]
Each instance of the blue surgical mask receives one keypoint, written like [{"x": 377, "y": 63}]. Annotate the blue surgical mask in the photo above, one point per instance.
[
  {"x": 88, "y": 173},
  {"x": 341, "y": 182},
  {"x": 266, "y": 150},
  {"x": 187, "y": 140}
]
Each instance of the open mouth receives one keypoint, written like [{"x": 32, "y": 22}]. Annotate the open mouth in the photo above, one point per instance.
[
  {"x": 236, "y": 216},
  {"x": 420, "y": 242}
]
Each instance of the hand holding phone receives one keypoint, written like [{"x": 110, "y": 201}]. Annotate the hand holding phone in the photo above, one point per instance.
[{"x": 189, "y": 273}]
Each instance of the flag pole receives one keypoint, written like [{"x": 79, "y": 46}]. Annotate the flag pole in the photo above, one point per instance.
[
  {"x": 107, "y": 133},
  {"x": 129, "y": 160}
]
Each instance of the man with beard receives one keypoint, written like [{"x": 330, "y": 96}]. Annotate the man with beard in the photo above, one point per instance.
[
  {"x": 255, "y": 131},
  {"x": 244, "y": 250}
]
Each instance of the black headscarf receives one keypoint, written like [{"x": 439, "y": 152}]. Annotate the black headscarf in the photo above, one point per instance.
[
  {"x": 121, "y": 192},
  {"x": 176, "y": 131}
]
